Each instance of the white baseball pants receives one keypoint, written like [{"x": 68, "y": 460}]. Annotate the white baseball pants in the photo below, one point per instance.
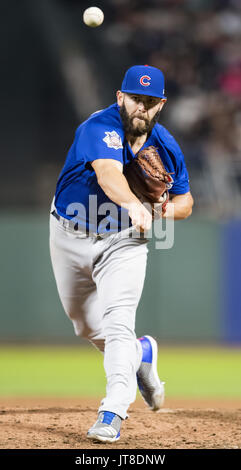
[{"x": 100, "y": 283}]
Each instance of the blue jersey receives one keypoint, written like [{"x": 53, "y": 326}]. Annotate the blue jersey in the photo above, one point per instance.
[{"x": 78, "y": 193}]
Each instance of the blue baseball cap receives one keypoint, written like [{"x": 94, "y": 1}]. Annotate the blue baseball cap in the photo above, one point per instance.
[{"x": 144, "y": 80}]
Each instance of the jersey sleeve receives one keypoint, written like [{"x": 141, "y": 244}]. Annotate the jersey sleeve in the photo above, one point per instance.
[
  {"x": 173, "y": 160},
  {"x": 181, "y": 177},
  {"x": 96, "y": 141}
]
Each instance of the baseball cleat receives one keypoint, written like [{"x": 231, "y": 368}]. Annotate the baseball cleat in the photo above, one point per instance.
[
  {"x": 150, "y": 386},
  {"x": 106, "y": 428}
]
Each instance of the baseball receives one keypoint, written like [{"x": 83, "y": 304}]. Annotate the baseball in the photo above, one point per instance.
[{"x": 93, "y": 17}]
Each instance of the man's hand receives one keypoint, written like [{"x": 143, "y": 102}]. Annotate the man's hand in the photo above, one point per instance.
[{"x": 141, "y": 218}]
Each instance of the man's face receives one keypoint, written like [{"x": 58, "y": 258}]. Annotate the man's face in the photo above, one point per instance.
[{"x": 139, "y": 113}]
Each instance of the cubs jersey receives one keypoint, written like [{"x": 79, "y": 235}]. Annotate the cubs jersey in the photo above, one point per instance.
[{"x": 79, "y": 196}]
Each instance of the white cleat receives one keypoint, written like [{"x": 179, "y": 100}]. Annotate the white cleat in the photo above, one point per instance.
[
  {"x": 106, "y": 428},
  {"x": 150, "y": 386}
]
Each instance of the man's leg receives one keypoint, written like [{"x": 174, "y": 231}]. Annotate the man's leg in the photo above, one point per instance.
[
  {"x": 119, "y": 275},
  {"x": 72, "y": 262}
]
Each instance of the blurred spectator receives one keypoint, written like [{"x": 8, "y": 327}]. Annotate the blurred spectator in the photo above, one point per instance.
[{"x": 195, "y": 43}]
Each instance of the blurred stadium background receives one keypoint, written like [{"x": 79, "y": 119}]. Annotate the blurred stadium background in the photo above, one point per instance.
[{"x": 55, "y": 72}]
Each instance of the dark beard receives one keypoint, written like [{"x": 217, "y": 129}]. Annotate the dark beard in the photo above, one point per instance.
[{"x": 135, "y": 131}]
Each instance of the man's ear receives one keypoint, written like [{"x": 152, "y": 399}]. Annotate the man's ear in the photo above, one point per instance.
[
  {"x": 120, "y": 97},
  {"x": 163, "y": 101}
]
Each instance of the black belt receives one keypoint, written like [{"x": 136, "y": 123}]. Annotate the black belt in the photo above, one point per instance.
[
  {"x": 74, "y": 226},
  {"x": 57, "y": 216},
  {"x": 71, "y": 224}
]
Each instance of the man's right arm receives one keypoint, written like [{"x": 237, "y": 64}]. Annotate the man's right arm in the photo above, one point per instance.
[{"x": 110, "y": 177}]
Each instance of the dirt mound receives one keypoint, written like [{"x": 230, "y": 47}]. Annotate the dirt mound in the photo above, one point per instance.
[{"x": 63, "y": 423}]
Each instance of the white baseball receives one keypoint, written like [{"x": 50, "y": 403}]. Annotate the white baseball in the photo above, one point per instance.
[{"x": 93, "y": 17}]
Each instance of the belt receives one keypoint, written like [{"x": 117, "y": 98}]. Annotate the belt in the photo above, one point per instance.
[{"x": 73, "y": 226}]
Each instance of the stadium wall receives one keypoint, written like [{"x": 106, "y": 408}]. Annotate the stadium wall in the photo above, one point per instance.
[{"x": 192, "y": 291}]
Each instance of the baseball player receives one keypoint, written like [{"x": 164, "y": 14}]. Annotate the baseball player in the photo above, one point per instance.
[{"x": 98, "y": 245}]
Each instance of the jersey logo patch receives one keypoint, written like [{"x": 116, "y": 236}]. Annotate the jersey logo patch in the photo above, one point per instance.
[{"x": 113, "y": 140}]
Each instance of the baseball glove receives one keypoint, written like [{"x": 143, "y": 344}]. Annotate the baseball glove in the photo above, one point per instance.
[{"x": 149, "y": 180}]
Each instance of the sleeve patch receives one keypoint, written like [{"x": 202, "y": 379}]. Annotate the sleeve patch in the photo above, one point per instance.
[{"x": 113, "y": 140}]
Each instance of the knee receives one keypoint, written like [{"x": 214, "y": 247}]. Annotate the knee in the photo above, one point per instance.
[{"x": 119, "y": 322}]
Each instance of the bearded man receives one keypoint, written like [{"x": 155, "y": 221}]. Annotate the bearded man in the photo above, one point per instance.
[{"x": 98, "y": 245}]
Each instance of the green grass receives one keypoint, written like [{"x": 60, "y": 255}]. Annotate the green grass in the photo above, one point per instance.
[{"x": 75, "y": 371}]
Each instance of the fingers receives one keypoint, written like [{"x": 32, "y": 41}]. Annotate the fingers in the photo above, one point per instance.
[
  {"x": 143, "y": 225},
  {"x": 140, "y": 217}
]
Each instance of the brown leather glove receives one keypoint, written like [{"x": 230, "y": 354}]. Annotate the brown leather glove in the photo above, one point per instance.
[{"x": 149, "y": 180}]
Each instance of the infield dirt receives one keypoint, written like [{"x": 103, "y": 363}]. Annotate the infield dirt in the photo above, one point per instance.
[{"x": 32, "y": 423}]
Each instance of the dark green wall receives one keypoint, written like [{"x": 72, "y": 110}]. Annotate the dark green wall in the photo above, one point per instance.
[{"x": 179, "y": 302}]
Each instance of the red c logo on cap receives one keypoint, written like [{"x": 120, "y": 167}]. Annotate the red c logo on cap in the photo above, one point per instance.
[{"x": 144, "y": 80}]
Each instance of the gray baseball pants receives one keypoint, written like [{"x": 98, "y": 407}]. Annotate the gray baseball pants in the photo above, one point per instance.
[{"x": 100, "y": 282}]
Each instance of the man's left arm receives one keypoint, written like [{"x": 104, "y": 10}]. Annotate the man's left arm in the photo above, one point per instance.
[{"x": 181, "y": 204}]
